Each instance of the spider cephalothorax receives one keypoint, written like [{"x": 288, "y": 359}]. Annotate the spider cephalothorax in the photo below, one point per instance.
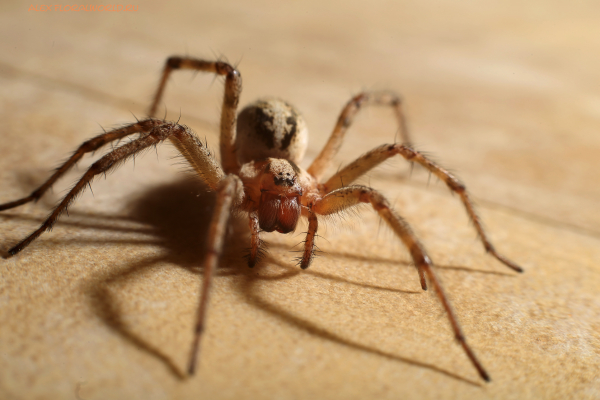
[
  {"x": 258, "y": 174},
  {"x": 273, "y": 191}
]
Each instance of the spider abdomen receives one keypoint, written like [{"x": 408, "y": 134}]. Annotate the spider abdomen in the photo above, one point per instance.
[{"x": 270, "y": 128}]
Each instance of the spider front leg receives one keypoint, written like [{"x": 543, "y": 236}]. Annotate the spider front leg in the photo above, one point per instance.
[
  {"x": 373, "y": 158},
  {"x": 228, "y": 195},
  {"x": 88, "y": 146},
  {"x": 256, "y": 244},
  {"x": 390, "y": 99},
  {"x": 309, "y": 243},
  {"x": 343, "y": 198},
  {"x": 233, "y": 88},
  {"x": 153, "y": 132}
]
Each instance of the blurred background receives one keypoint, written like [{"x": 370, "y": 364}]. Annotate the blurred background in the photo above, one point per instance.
[
  {"x": 519, "y": 77},
  {"x": 505, "y": 93}
]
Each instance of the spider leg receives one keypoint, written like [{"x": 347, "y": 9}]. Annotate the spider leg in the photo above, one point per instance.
[
  {"x": 344, "y": 198},
  {"x": 226, "y": 196},
  {"x": 309, "y": 243},
  {"x": 88, "y": 146},
  {"x": 256, "y": 244},
  {"x": 198, "y": 155},
  {"x": 158, "y": 131},
  {"x": 376, "y": 156},
  {"x": 233, "y": 88},
  {"x": 391, "y": 99}
]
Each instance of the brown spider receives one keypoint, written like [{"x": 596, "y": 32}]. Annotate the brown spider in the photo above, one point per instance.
[{"x": 258, "y": 174}]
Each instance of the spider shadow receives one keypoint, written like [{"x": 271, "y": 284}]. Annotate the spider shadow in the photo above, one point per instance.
[
  {"x": 178, "y": 216},
  {"x": 181, "y": 221},
  {"x": 247, "y": 287}
]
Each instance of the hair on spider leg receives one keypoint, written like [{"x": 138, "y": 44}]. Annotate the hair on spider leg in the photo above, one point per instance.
[
  {"x": 298, "y": 260},
  {"x": 111, "y": 143},
  {"x": 261, "y": 253},
  {"x": 314, "y": 250},
  {"x": 238, "y": 62},
  {"x": 314, "y": 254},
  {"x": 90, "y": 187},
  {"x": 141, "y": 154},
  {"x": 346, "y": 218},
  {"x": 136, "y": 118},
  {"x": 155, "y": 147},
  {"x": 317, "y": 251},
  {"x": 182, "y": 161},
  {"x": 215, "y": 55},
  {"x": 304, "y": 241},
  {"x": 194, "y": 75},
  {"x": 321, "y": 237}
]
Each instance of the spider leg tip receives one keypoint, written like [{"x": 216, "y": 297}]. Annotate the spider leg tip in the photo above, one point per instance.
[
  {"x": 11, "y": 252},
  {"x": 509, "y": 263},
  {"x": 192, "y": 366},
  {"x": 304, "y": 265},
  {"x": 513, "y": 266},
  {"x": 484, "y": 375}
]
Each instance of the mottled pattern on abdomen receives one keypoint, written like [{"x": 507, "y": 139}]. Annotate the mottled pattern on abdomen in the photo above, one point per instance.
[{"x": 270, "y": 128}]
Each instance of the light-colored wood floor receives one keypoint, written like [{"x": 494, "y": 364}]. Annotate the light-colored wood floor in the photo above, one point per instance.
[{"x": 508, "y": 96}]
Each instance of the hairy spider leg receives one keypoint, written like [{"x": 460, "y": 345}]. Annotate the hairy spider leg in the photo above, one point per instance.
[
  {"x": 346, "y": 197},
  {"x": 226, "y": 195},
  {"x": 257, "y": 246},
  {"x": 385, "y": 98},
  {"x": 309, "y": 244},
  {"x": 157, "y": 131},
  {"x": 233, "y": 88},
  {"x": 88, "y": 146},
  {"x": 376, "y": 156}
]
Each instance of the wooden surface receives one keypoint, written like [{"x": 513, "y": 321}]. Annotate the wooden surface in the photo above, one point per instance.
[{"x": 507, "y": 94}]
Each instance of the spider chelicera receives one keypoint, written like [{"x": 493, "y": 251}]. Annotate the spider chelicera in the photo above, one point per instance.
[{"x": 259, "y": 174}]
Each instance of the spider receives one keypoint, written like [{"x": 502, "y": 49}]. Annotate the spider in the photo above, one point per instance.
[{"x": 259, "y": 175}]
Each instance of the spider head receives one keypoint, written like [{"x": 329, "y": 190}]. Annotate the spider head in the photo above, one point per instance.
[{"x": 280, "y": 192}]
